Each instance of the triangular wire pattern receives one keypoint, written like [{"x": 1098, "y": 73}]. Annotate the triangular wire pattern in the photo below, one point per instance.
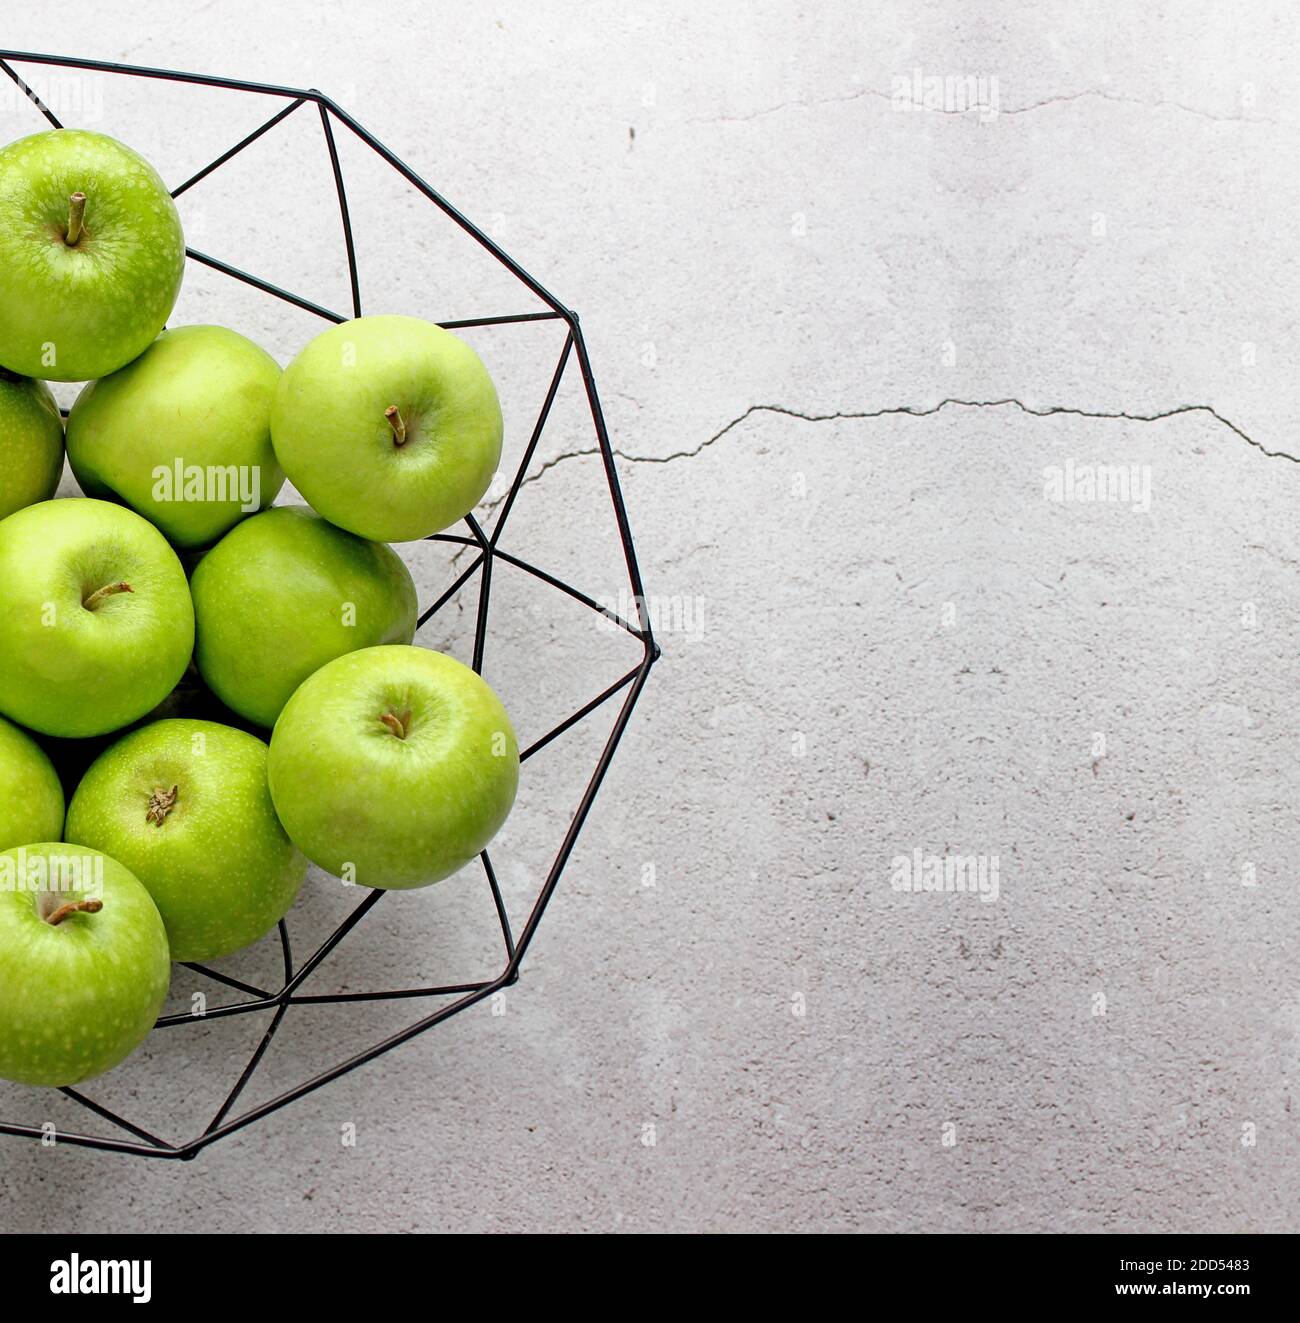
[{"x": 280, "y": 1003}]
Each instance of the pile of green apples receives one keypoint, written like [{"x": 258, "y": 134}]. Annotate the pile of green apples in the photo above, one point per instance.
[{"x": 200, "y": 693}]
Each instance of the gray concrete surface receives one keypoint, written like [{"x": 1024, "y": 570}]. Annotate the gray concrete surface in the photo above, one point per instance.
[{"x": 884, "y": 635}]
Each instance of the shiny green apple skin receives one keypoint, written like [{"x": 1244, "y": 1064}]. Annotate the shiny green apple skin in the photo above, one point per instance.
[
  {"x": 284, "y": 593},
  {"x": 74, "y": 312},
  {"x": 199, "y": 396},
  {"x": 384, "y": 810},
  {"x": 337, "y": 445},
  {"x": 31, "y": 443},
  {"x": 82, "y": 995},
  {"x": 74, "y": 670},
  {"x": 31, "y": 798},
  {"x": 215, "y": 860}
]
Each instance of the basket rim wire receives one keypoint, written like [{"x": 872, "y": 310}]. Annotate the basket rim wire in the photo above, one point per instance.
[{"x": 488, "y": 552}]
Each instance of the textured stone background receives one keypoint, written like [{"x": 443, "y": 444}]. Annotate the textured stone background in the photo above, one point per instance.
[{"x": 888, "y": 638}]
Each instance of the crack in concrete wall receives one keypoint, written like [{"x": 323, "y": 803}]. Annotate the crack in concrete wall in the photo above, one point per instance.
[
  {"x": 905, "y": 410},
  {"x": 911, "y": 411},
  {"x": 1063, "y": 98}
]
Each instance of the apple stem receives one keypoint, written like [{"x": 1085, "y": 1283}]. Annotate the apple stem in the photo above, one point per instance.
[
  {"x": 161, "y": 803},
  {"x": 398, "y": 725},
  {"x": 101, "y": 594},
  {"x": 397, "y": 424},
  {"x": 74, "y": 907},
  {"x": 76, "y": 216}
]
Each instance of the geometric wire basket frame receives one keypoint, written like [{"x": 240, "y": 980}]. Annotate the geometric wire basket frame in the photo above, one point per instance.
[{"x": 276, "y": 1004}]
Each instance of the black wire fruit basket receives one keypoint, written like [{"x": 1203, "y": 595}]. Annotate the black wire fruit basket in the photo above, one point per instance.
[{"x": 485, "y": 553}]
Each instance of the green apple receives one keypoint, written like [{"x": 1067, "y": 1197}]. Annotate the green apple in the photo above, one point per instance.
[
  {"x": 389, "y": 426},
  {"x": 284, "y": 593},
  {"x": 83, "y": 963},
  {"x": 31, "y": 798},
  {"x": 184, "y": 805},
  {"x": 190, "y": 699},
  {"x": 182, "y": 434},
  {"x": 31, "y": 442},
  {"x": 96, "y": 622},
  {"x": 91, "y": 255},
  {"x": 393, "y": 767}
]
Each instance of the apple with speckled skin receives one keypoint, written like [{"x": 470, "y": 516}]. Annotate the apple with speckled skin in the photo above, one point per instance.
[
  {"x": 31, "y": 798},
  {"x": 182, "y": 434},
  {"x": 284, "y": 593},
  {"x": 96, "y": 621},
  {"x": 389, "y": 426},
  {"x": 91, "y": 255},
  {"x": 84, "y": 964},
  {"x": 185, "y": 806},
  {"x": 393, "y": 767},
  {"x": 31, "y": 443}
]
